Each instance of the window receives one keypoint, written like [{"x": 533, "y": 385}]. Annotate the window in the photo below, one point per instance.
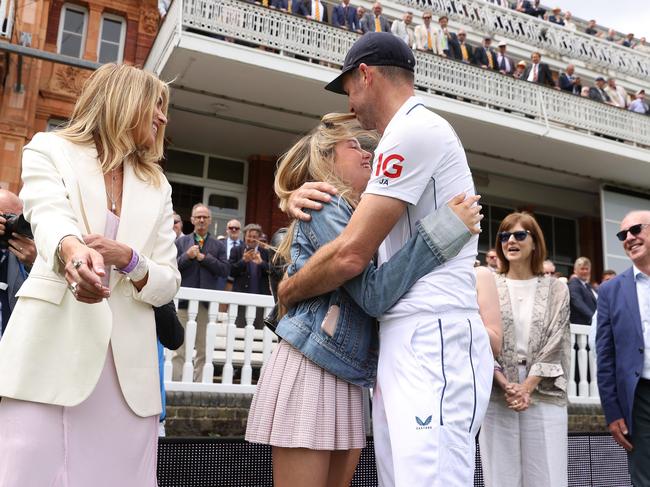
[
  {"x": 54, "y": 124},
  {"x": 72, "y": 30},
  {"x": 111, "y": 39}
]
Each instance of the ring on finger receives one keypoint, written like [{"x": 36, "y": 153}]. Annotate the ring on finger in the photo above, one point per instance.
[
  {"x": 73, "y": 287},
  {"x": 76, "y": 263}
]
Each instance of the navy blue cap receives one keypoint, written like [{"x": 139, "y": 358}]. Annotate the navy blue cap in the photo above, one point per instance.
[{"x": 374, "y": 49}]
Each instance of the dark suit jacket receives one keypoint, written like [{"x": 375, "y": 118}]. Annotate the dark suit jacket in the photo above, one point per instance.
[
  {"x": 368, "y": 23},
  {"x": 534, "y": 11},
  {"x": 239, "y": 270},
  {"x": 204, "y": 274},
  {"x": 304, "y": 8},
  {"x": 509, "y": 66},
  {"x": 544, "y": 76},
  {"x": 470, "y": 53},
  {"x": 339, "y": 19},
  {"x": 481, "y": 57},
  {"x": 598, "y": 95},
  {"x": 620, "y": 346},
  {"x": 16, "y": 275},
  {"x": 566, "y": 85},
  {"x": 454, "y": 47},
  {"x": 583, "y": 303}
]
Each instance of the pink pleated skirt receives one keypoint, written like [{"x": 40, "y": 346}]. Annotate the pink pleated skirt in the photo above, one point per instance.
[
  {"x": 98, "y": 443},
  {"x": 298, "y": 404}
]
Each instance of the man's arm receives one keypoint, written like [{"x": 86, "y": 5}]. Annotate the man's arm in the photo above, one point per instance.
[
  {"x": 349, "y": 254},
  {"x": 215, "y": 260}
]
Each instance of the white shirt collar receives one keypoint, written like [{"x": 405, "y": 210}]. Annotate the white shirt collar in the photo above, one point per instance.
[{"x": 637, "y": 271}]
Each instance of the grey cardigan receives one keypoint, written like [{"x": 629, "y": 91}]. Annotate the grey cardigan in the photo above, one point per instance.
[{"x": 549, "y": 343}]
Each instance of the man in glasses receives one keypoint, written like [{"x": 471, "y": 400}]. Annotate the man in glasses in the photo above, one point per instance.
[
  {"x": 623, "y": 344},
  {"x": 178, "y": 225},
  {"x": 202, "y": 262}
]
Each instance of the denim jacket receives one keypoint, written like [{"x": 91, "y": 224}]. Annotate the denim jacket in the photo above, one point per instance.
[{"x": 347, "y": 345}]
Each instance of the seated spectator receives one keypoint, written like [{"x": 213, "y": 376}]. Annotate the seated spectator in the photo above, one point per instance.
[
  {"x": 639, "y": 105},
  {"x": 345, "y": 16},
  {"x": 426, "y": 39},
  {"x": 539, "y": 72},
  {"x": 569, "y": 82},
  {"x": 584, "y": 92},
  {"x": 404, "y": 29},
  {"x": 519, "y": 69},
  {"x": 375, "y": 21},
  {"x": 591, "y": 28},
  {"x": 598, "y": 93},
  {"x": 611, "y": 35},
  {"x": 568, "y": 23},
  {"x": 249, "y": 266},
  {"x": 642, "y": 46},
  {"x": 617, "y": 94},
  {"x": 466, "y": 50},
  {"x": 556, "y": 16},
  {"x": 447, "y": 41},
  {"x": 505, "y": 64},
  {"x": 608, "y": 274},
  {"x": 312, "y": 9},
  {"x": 485, "y": 56},
  {"x": 629, "y": 41}
]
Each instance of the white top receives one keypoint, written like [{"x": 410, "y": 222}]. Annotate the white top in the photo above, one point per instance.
[
  {"x": 421, "y": 161},
  {"x": 522, "y": 299},
  {"x": 533, "y": 71},
  {"x": 643, "y": 294}
]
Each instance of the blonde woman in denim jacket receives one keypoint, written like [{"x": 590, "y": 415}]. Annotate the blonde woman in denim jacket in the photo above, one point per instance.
[{"x": 308, "y": 403}]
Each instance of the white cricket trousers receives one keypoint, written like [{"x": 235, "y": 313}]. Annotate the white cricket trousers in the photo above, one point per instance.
[
  {"x": 433, "y": 386},
  {"x": 527, "y": 449}
]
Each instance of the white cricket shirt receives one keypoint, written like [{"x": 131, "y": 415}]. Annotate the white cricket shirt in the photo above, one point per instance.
[{"x": 421, "y": 161}]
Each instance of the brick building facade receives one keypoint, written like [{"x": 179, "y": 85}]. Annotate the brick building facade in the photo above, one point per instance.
[{"x": 35, "y": 92}]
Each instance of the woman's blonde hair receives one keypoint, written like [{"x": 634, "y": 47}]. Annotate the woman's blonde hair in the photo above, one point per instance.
[
  {"x": 312, "y": 159},
  {"x": 114, "y": 103}
]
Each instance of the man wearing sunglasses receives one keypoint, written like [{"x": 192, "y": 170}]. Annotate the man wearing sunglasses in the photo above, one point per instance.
[{"x": 623, "y": 345}]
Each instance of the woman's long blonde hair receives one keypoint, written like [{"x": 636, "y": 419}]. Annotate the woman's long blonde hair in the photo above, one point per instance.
[
  {"x": 114, "y": 103},
  {"x": 312, "y": 159}
]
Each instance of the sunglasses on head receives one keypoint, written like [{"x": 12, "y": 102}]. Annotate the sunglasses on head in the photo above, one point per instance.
[
  {"x": 634, "y": 230},
  {"x": 519, "y": 235}
]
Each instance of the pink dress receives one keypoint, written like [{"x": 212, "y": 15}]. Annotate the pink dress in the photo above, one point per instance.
[{"x": 98, "y": 443}]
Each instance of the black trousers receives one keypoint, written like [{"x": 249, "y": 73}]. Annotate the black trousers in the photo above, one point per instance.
[{"x": 639, "y": 458}]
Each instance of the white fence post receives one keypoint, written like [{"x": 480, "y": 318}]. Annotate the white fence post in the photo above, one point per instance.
[{"x": 190, "y": 340}]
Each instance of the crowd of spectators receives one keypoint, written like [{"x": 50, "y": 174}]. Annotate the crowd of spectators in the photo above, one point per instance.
[{"x": 436, "y": 37}]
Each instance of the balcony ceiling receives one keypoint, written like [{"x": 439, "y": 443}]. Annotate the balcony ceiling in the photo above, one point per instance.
[{"x": 237, "y": 101}]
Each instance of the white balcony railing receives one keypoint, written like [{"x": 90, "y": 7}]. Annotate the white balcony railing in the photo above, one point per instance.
[
  {"x": 229, "y": 347},
  {"x": 297, "y": 36},
  {"x": 6, "y": 18},
  {"x": 490, "y": 18}
]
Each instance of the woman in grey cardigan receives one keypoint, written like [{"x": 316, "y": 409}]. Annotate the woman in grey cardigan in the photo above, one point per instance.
[{"x": 523, "y": 439}]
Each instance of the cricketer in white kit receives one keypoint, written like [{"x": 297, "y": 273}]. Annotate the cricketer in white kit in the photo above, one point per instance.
[{"x": 435, "y": 363}]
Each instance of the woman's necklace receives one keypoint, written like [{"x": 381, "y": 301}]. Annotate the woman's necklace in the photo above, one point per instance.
[{"x": 110, "y": 195}]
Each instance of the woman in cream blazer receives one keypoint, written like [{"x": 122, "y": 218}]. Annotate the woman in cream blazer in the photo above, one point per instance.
[{"x": 78, "y": 365}]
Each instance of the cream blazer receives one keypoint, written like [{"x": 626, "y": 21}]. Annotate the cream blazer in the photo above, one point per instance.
[
  {"x": 421, "y": 38},
  {"x": 54, "y": 347}
]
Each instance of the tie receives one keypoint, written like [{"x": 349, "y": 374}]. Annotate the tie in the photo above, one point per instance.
[
  {"x": 490, "y": 60},
  {"x": 444, "y": 43},
  {"x": 502, "y": 64},
  {"x": 346, "y": 22},
  {"x": 535, "y": 73},
  {"x": 317, "y": 14},
  {"x": 463, "y": 50},
  {"x": 377, "y": 25},
  {"x": 429, "y": 41},
  {"x": 289, "y": 6}
]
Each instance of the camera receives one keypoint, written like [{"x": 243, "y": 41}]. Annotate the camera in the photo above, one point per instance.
[{"x": 14, "y": 224}]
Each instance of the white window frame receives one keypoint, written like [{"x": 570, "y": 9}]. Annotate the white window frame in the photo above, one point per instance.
[
  {"x": 84, "y": 35},
  {"x": 116, "y": 18}
]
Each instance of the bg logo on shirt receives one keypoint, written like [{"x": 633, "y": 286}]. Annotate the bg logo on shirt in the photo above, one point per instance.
[{"x": 392, "y": 172}]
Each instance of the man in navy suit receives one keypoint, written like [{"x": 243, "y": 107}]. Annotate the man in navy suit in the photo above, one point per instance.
[
  {"x": 623, "y": 344},
  {"x": 583, "y": 295},
  {"x": 345, "y": 16}
]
